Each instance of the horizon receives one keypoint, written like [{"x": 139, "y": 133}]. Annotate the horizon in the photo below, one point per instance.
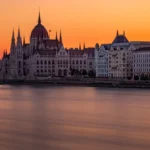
[{"x": 79, "y": 21}]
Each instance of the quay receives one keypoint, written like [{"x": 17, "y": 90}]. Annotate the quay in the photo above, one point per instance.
[{"x": 95, "y": 82}]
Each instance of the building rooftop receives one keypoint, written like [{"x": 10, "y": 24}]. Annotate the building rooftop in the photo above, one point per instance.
[
  {"x": 142, "y": 49},
  {"x": 120, "y": 39}
]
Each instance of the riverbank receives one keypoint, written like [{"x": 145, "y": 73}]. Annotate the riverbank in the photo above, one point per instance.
[{"x": 82, "y": 82}]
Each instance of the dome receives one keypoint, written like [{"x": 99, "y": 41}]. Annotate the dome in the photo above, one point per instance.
[{"x": 39, "y": 30}]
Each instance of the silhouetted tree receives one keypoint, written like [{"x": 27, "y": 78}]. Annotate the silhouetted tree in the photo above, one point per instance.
[
  {"x": 91, "y": 73},
  {"x": 136, "y": 78}
]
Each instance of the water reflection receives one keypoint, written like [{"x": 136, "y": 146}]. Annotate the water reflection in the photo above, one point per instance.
[{"x": 74, "y": 118}]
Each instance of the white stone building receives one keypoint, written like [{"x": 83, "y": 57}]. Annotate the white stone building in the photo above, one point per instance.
[
  {"x": 43, "y": 57},
  {"x": 120, "y": 58},
  {"x": 102, "y": 60},
  {"x": 115, "y": 60},
  {"x": 141, "y": 61}
]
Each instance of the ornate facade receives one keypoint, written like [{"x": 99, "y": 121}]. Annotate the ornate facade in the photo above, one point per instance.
[
  {"x": 43, "y": 57},
  {"x": 115, "y": 60}
]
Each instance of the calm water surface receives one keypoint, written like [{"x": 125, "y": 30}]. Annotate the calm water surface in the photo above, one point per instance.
[{"x": 74, "y": 118}]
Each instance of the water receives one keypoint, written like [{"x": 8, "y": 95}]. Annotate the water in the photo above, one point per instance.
[{"x": 74, "y": 118}]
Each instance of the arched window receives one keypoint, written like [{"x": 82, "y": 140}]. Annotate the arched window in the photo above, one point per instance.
[
  {"x": 37, "y": 62},
  {"x": 45, "y": 62},
  {"x": 41, "y": 61}
]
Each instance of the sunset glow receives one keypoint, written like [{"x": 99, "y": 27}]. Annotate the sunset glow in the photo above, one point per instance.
[{"x": 80, "y": 21}]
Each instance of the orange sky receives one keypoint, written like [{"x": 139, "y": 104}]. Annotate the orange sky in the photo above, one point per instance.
[{"x": 88, "y": 21}]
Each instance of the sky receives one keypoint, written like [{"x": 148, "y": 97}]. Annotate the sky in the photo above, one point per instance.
[{"x": 81, "y": 21}]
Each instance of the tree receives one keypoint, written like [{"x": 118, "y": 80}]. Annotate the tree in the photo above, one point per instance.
[
  {"x": 91, "y": 73},
  {"x": 136, "y": 77},
  {"x": 84, "y": 72}
]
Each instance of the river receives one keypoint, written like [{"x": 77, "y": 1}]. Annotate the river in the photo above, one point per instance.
[{"x": 74, "y": 118}]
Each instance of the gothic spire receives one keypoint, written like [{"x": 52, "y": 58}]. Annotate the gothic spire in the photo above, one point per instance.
[
  {"x": 79, "y": 46},
  {"x": 12, "y": 47},
  {"x": 3, "y": 53},
  {"x": 39, "y": 19},
  {"x": 19, "y": 40},
  {"x": 117, "y": 33},
  {"x": 124, "y": 33},
  {"x": 13, "y": 35},
  {"x": 56, "y": 36},
  {"x": 84, "y": 46},
  {"x": 24, "y": 40},
  {"x": 60, "y": 40},
  {"x": 18, "y": 32}
]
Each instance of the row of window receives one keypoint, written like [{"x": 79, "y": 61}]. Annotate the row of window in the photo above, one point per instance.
[
  {"x": 142, "y": 70},
  {"x": 142, "y": 56},
  {"x": 45, "y": 66},
  {"x": 141, "y": 60},
  {"x": 62, "y": 62},
  {"x": 141, "y": 65},
  {"x": 45, "y": 70}
]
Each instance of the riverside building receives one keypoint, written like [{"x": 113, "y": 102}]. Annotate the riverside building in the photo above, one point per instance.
[
  {"x": 115, "y": 60},
  {"x": 43, "y": 57},
  {"x": 141, "y": 62}
]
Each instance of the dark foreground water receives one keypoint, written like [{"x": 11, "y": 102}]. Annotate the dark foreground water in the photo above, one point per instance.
[{"x": 74, "y": 118}]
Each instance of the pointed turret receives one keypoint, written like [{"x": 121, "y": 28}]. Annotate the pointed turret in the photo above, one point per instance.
[
  {"x": 84, "y": 46},
  {"x": 79, "y": 46},
  {"x": 56, "y": 36},
  {"x": 12, "y": 47},
  {"x": 24, "y": 42},
  {"x": 3, "y": 53},
  {"x": 60, "y": 39},
  {"x": 117, "y": 33},
  {"x": 19, "y": 40},
  {"x": 18, "y": 32},
  {"x": 13, "y": 35},
  {"x": 124, "y": 33},
  {"x": 39, "y": 18}
]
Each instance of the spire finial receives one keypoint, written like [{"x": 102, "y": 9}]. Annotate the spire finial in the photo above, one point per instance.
[
  {"x": 13, "y": 34},
  {"x": 24, "y": 40},
  {"x": 18, "y": 32},
  {"x": 124, "y": 33},
  {"x": 39, "y": 19},
  {"x": 84, "y": 46},
  {"x": 3, "y": 53},
  {"x": 79, "y": 46},
  {"x": 56, "y": 36},
  {"x": 60, "y": 37},
  {"x": 117, "y": 33}
]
